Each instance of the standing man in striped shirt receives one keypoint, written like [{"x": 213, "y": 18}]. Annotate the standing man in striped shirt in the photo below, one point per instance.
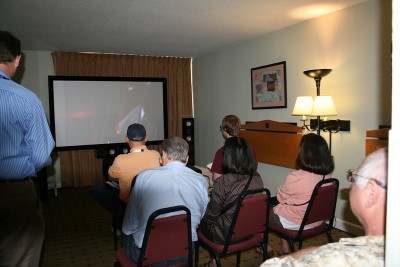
[{"x": 25, "y": 147}]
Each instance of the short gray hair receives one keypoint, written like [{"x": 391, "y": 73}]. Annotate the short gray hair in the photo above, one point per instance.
[{"x": 176, "y": 149}]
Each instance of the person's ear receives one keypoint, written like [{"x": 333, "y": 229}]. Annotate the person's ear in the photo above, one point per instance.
[
  {"x": 126, "y": 139},
  {"x": 163, "y": 158},
  {"x": 17, "y": 60},
  {"x": 187, "y": 159}
]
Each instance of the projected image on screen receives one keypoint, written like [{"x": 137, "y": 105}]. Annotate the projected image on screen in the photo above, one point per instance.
[{"x": 96, "y": 112}]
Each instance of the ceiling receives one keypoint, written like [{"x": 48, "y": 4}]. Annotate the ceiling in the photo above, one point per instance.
[{"x": 185, "y": 28}]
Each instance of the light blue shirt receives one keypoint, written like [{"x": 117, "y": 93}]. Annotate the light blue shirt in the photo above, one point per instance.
[
  {"x": 170, "y": 185},
  {"x": 25, "y": 138}
]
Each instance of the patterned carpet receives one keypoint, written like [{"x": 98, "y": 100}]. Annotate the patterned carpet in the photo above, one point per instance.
[{"x": 78, "y": 233}]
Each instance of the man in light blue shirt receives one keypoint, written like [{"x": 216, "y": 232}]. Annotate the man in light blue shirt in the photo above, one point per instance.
[
  {"x": 26, "y": 141},
  {"x": 25, "y": 147},
  {"x": 170, "y": 185}
]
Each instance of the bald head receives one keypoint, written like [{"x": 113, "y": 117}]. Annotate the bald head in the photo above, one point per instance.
[
  {"x": 375, "y": 165},
  {"x": 368, "y": 193}
]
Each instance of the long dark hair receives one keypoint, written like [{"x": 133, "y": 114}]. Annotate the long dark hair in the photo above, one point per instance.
[
  {"x": 238, "y": 157},
  {"x": 314, "y": 155}
]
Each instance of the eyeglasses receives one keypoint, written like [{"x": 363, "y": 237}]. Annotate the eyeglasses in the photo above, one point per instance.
[{"x": 350, "y": 176}]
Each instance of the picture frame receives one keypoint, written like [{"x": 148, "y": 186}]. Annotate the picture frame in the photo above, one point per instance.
[{"x": 268, "y": 86}]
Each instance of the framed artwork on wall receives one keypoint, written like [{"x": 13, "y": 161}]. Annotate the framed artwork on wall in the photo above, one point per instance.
[{"x": 268, "y": 86}]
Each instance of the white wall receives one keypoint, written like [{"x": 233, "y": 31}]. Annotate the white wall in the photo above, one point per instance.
[{"x": 355, "y": 43}]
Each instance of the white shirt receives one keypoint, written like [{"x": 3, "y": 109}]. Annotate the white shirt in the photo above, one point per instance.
[{"x": 170, "y": 185}]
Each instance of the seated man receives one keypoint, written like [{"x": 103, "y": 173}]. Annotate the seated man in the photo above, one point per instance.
[
  {"x": 124, "y": 168},
  {"x": 170, "y": 185},
  {"x": 368, "y": 203}
]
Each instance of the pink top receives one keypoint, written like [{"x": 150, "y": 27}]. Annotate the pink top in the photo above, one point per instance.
[{"x": 296, "y": 189}]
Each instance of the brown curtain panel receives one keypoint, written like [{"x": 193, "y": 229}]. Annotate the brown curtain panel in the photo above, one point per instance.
[{"x": 81, "y": 167}]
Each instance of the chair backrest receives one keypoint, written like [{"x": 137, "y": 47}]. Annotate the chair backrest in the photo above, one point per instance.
[
  {"x": 167, "y": 237},
  {"x": 250, "y": 216},
  {"x": 322, "y": 203}
]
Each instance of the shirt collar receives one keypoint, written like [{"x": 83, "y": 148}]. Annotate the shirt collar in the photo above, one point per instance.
[
  {"x": 139, "y": 148},
  {"x": 3, "y": 75}
]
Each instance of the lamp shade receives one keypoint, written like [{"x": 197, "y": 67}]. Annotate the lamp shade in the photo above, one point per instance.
[
  {"x": 303, "y": 106},
  {"x": 323, "y": 106}
]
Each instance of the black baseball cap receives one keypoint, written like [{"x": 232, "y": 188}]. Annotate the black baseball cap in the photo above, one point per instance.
[{"x": 136, "y": 132}]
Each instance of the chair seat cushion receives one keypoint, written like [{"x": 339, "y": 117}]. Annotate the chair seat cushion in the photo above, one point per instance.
[
  {"x": 306, "y": 233},
  {"x": 248, "y": 243}
]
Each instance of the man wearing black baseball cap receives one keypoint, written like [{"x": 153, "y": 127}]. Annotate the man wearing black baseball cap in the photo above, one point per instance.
[
  {"x": 123, "y": 170},
  {"x": 136, "y": 132}
]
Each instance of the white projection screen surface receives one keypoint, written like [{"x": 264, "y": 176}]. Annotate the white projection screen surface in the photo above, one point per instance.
[{"x": 92, "y": 111}]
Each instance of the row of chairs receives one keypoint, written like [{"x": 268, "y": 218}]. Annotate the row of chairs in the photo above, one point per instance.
[{"x": 170, "y": 237}]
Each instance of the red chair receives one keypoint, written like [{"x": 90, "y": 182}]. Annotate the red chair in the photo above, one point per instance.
[
  {"x": 321, "y": 207},
  {"x": 164, "y": 239},
  {"x": 250, "y": 219}
]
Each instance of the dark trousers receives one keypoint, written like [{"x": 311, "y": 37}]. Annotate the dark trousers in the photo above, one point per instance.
[
  {"x": 108, "y": 197},
  {"x": 21, "y": 224}
]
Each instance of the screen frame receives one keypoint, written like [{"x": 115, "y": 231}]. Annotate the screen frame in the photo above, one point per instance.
[{"x": 53, "y": 78}]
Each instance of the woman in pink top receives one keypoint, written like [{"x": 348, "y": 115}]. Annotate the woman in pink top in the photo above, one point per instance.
[{"x": 314, "y": 163}]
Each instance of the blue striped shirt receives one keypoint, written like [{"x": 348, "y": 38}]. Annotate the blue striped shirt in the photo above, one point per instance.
[{"x": 25, "y": 138}]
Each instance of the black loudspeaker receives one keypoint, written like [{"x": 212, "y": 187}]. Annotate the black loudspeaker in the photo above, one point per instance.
[
  {"x": 105, "y": 151},
  {"x": 188, "y": 135}
]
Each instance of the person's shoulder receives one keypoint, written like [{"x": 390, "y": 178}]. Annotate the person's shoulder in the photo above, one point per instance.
[
  {"x": 220, "y": 150},
  {"x": 376, "y": 240},
  {"x": 125, "y": 158},
  {"x": 21, "y": 92},
  {"x": 228, "y": 178},
  {"x": 152, "y": 173},
  {"x": 308, "y": 176},
  {"x": 122, "y": 156},
  {"x": 194, "y": 168},
  {"x": 219, "y": 153},
  {"x": 193, "y": 171},
  {"x": 152, "y": 152},
  {"x": 299, "y": 173},
  {"x": 155, "y": 170}
]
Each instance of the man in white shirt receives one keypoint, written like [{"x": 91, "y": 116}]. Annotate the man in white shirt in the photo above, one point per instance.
[{"x": 170, "y": 185}]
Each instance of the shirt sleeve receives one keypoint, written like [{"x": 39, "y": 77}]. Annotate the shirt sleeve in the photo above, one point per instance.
[
  {"x": 115, "y": 171},
  {"x": 217, "y": 162},
  {"x": 38, "y": 137}
]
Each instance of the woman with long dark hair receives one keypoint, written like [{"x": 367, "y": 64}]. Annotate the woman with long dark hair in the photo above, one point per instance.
[
  {"x": 239, "y": 165},
  {"x": 314, "y": 163}
]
